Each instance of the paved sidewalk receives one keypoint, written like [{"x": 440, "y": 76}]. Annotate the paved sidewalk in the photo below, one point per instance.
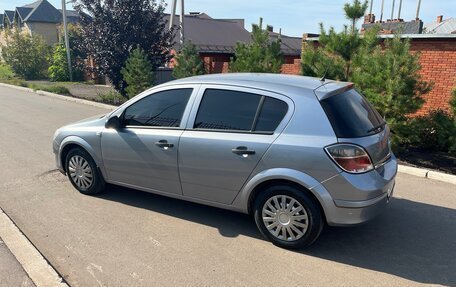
[{"x": 11, "y": 272}]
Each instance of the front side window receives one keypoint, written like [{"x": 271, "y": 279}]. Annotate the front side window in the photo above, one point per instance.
[
  {"x": 161, "y": 109},
  {"x": 239, "y": 111}
]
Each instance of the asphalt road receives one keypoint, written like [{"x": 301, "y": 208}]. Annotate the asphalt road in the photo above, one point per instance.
[{"x": 131, "y": 238}]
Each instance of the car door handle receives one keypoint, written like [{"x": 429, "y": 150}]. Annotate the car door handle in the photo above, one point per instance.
[
  {"x": 242, "y": 150},
  {"x": 164, "y": 144}
]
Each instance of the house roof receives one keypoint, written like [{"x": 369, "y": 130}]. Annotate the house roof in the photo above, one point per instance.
[
  {"x": 412, "y": 27},
  {"x": 447, "y": 26},
  {"x": 9, "y": 15},
  {"x": 221, "y": 35},
  {"x": 43, "y": 11},
  {"x": 23, "y": 12},
  {"x": 211, "y": 35},
  {"x": 290, "y": 46},
  {"x": 40, "y": 11},
  {"x": 72, "y": 16}
]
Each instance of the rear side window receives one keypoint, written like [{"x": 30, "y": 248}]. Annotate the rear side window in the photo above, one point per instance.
[
  {"x": 271, "y": 115},
  {"x": 351, "y": 115},
  {"x": 162, "y": 109},
  {"x": 239, "y": 111}
]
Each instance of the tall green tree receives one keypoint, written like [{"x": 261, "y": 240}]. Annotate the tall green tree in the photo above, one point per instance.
[
  {"x": 58, "y": 69},
  {"x": 138, "y": 73},
  {"x": 110, "y": 29},
  {"x": 386, "y": 73},
  {"x": 354, "y": 11},
  {"x": 389, "y": 77},
  {"x": 188, "y": 62},
  {"x": 317, "y": 62},
  {"x": 338, "y": 47},
  {"x": 262, "y": 55},
  {"x": 26, "y": 54}
]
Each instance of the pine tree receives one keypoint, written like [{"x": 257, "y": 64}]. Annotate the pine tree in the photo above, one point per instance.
[
  {"x": 390, "y": 78},
  {"x": 137, "y": 73},
  {"x": 262, "y": 55},
  {"x": 355, "y": 11},
  {"x": 188, "y": 62}
]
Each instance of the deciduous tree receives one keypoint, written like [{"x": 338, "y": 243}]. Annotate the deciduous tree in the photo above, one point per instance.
[
  {"x": 26, "y": 54},
  {"x": 112, "y": 29}
]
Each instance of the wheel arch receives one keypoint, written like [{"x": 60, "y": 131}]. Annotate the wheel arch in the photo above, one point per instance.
[
  {"x": 72, "y": 142},
  {"x": 279, "y": 176}
]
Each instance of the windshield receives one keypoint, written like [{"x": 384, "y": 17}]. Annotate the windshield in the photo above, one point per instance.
[{"x": 351, "y": 115}]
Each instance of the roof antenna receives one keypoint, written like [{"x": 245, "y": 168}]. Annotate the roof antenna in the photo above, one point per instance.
[{"x": 324, "y": 75}]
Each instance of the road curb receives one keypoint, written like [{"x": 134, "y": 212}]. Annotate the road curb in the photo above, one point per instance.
[
  {"x": 427, "y": 173},
  {"x": 420, "y": 172},
  {"x": 61, "y": 97},
  {"x": 31, "y": 260}
]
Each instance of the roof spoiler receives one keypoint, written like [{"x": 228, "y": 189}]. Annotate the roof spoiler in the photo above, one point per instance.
[{"x": 330, "y": 89}]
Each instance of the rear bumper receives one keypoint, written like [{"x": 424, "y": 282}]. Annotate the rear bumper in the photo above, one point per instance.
[
  {"x": 354, "y": 199},
  {"x": 356, "y": 212}
]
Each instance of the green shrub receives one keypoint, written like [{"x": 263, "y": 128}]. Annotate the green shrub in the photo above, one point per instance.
[
  {"x": 58, "y": 71},
  {"x": 110, "y": 98},
  {"x": 56, "y": 89},
  {"x": 137, "y": 73},
  {"x": 435, "y": 131},
  {"x": 6, "y": 73},
  {"x": 453, "y": 103},
  {"x": 26, "y": 55},
  {"x": 16, "y": 81}
]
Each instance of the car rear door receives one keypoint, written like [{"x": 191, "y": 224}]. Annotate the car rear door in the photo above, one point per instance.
[
  {"x": 143, "y": 153},
  {"x": 228, "y": 132}
]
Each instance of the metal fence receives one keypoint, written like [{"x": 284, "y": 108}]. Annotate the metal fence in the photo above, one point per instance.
[{"x": 163, "y": 75}]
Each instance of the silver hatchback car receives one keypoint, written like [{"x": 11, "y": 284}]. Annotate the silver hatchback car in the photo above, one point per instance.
[{"x": 296, "y": 152}]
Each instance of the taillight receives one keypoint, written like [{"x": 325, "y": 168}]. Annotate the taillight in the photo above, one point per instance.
[{"x": 351, "y": 158}]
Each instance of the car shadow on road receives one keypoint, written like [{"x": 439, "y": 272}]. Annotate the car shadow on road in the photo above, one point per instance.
[{"x": 411, "y": 240}]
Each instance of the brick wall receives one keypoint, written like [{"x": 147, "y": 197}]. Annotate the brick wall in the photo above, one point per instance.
[
  {"x": 292, "y": 66},
  {"x": 438, "y": 65}
]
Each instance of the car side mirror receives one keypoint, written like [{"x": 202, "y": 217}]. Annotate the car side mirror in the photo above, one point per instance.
[{"x": 113, "y": 123}]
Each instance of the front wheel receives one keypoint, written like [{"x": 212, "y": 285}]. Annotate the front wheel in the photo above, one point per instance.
[
  {"x": 288, "y": 216},
  {"x": 83, "y": 172}
]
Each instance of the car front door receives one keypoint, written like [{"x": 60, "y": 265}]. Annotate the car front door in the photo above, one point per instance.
[
  {"x": 143, "y": 152},
  {"x": 227, "y": 134}
]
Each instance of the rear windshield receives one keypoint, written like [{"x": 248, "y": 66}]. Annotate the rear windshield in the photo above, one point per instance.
[{"x": 351, "y": 115}]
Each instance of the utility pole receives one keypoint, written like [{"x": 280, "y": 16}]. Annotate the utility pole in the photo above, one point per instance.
[
  {"x": 372, "y": 4},
  {"x": 182, "y": 38},
  {"x": 400, "y": 8},
  {"x": 392, "y": 11},
  {"x": 418, "y": 10},
  {"x": 67, "y": 41},
  {"x": 181, "y": 18},
  {"x": 381, "y": 14}
]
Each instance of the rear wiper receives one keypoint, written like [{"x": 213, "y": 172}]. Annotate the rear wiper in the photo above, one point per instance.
[{"x": 376, "y": 127}]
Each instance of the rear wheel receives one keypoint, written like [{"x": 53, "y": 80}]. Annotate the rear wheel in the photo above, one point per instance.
[
  {"x": 83, "y": 172},
  {"x": 288, "y": 216}
]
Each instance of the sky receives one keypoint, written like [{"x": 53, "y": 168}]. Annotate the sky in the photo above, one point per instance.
[{"x": 295, "y": 17}]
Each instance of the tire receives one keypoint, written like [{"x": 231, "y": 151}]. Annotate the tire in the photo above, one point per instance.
[
  {"x": 299, "y": 213},
  {"x": 83, "y": 173}
]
